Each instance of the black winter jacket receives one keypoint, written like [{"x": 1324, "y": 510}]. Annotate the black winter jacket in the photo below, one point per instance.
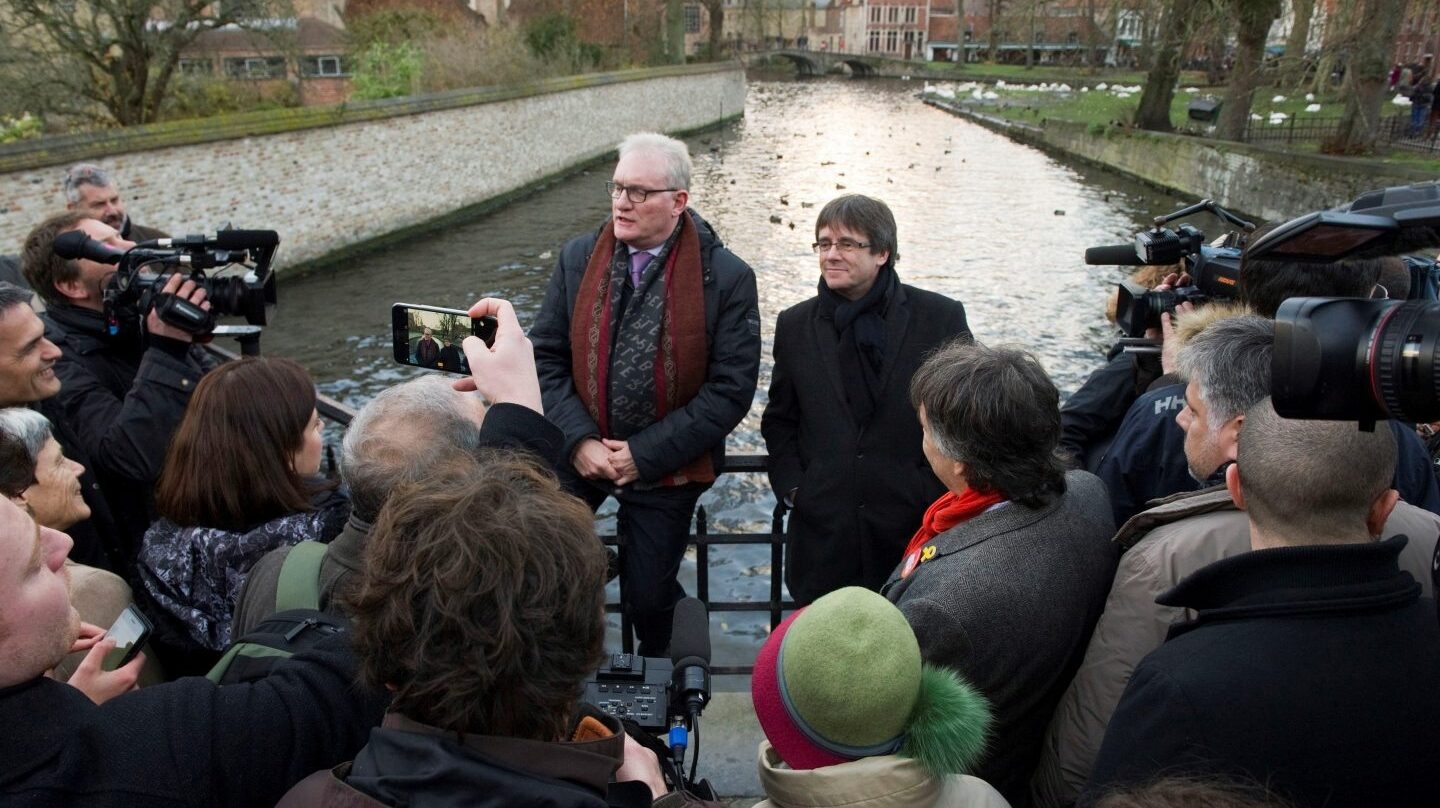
[
  {"x": 122, "y": 401},
  {"x": 184, "y": 743},
  {"x": 732, "y": 331},
  {"x": 1311, "y": 670},
  {"x": 1147, "y": 458}
]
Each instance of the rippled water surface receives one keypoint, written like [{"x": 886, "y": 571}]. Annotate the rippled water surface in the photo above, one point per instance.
[{"x": 996, "y": 224}]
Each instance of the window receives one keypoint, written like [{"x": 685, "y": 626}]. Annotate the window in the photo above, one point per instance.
[
  {"x": 910, "y": 14},
  {"x": 1073, "y": 38},
  {"x": 892, "y": 41},
  {"x": 874, "y": 14},
  {"x": 692, "y": 19},
  {"x": 894, "y": 15},
  {"x": 196, "y": 67},
  {"x": 874, "y": 41},
  {"x": 317, "y": 66},
  {"x": 256, "y": 67},
  {"x": 969, "y": 34}
]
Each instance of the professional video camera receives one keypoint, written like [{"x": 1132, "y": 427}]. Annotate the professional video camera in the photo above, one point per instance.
[
  {"x": 1214, "y": 269},
  {"x": 1348, "y": 359},
  {"x": 664, "y": 696},
  {"x": 142, "y": 271}
]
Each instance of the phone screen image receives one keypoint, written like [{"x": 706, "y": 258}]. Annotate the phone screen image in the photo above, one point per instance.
[
  {"x": 431, "y": 337},
  {"x": 129, "y": 632}
]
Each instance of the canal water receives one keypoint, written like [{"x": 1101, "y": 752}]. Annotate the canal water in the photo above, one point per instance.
[{"x": 995, "y": 224}]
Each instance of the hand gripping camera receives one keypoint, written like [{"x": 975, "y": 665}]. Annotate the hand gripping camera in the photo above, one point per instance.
[
  {"x": 1214, "y": 269},
  {"x": 142, "y": 271}
]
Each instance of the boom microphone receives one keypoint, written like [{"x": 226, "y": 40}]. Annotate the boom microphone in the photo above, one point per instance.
[
  {"x": 690, "y": 653},
  {"x": 1123, "y": 255},
  {"x": 246, "y": 239}
]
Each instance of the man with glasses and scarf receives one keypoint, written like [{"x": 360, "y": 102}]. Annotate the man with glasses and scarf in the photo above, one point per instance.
[
  {"x": 844, "y": 440},
  {"x": 648, "y": 349}
]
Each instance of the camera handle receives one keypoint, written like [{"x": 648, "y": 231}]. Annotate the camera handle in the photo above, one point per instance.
[
  {"x": 247, "y": 335},
  {"x": 1208, "y": 205}
]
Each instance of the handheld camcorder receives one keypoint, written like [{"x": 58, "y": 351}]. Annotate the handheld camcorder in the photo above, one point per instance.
[
  {"x": 1347, "y": 359},
  {"x": 1214, "y": 270},
  {"x": 142, "y": 271}
]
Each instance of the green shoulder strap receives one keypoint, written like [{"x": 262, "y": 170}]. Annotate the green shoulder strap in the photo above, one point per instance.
[{"x": 299, "y": 586}]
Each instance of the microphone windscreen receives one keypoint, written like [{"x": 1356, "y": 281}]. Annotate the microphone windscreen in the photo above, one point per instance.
[
  {"x": 690, "y": 631},
  {"x": 246, "y": 239},
  {"x": 75, "y": 244},
  {"x": 1114, "y": 255}
]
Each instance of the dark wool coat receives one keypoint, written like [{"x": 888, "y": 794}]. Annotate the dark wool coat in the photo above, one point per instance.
[
  {"x": 862, "y": 491},
  {"x": 1312, "y": 670},
  {"x": 732, "y": 332},
  {"x": 1009, "y": 600}
]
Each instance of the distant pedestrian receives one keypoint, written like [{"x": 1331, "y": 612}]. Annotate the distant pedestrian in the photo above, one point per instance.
[{"x": 1422, "y": 95}]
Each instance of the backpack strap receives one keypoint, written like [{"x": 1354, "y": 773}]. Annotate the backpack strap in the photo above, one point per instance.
[{"x": 299, "y": 585}]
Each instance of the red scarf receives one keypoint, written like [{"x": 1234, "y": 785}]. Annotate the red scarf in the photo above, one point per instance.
[
  {"x": 944, "y": 513},
  {"x": 680, "y": 368}
]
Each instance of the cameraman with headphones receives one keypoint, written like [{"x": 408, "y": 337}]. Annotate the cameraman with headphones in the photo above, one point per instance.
[{"x": 121, "y": 394}]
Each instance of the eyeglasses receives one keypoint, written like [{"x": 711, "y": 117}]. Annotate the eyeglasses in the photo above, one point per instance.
[
  {"x": 845, "y": 245},
  {"x": 637, "y": 195}
]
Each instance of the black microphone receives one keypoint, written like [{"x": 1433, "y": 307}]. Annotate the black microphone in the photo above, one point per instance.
[
  {"x": 246, "y": 239},
  {"x": 690, "y": 653},
  {"x": 75, "y": 244},
  {"x": 1123, "y": 255}
]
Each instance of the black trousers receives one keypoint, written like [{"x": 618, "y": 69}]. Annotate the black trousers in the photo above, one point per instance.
[{"x": 654, "y": 525}]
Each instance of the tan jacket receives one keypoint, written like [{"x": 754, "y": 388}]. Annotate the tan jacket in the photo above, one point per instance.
[
  {"x": 1155, "y": 558},
  {"x": 878, "y": 782}
]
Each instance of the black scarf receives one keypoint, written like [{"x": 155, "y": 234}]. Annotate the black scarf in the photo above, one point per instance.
[{"x": 861, "y": 326}]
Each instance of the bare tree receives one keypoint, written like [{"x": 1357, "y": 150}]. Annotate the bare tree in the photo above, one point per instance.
[
  {"x": 118, "y": 56},
  {"x": 1292, "y": 66},
  {"x": 1253, "y": 19},
  {"x": 1159, "y": 93},
  {"x": 715, "y": 9},
  {"x": 994, "y": 8},
  {"x": 1377, "y": 23}
]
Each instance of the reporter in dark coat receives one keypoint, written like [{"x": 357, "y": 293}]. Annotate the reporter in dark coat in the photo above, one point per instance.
[
  {"x": 843, "y": 439},
  {"x": 1009, "y": 571}
]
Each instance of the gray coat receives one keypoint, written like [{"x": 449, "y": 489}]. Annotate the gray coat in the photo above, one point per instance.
[{"x": 1009, "y": 600}]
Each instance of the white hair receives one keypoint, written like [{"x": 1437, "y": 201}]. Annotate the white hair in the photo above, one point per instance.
[
  {"x": 28, "y": 427},
  {"x": 674, "y": 152}
]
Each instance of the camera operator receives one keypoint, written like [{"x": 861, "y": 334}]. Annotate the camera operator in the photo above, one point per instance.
[
  {"x": 1227, "y": 370},
  {"x": 481, "y": 609},
  {"x": 1146, "y": 460},
  {"x": 121, "y": 395}
]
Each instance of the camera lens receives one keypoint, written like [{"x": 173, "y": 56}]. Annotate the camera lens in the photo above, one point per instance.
[{"x": 1346, "y": 359}]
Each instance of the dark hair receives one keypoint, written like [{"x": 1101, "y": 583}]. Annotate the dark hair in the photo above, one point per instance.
[
  {"x": 42, "y": 267},
  {"x": 863, "y": 214},
  {"x": 12, "y": 296},
  {"x": 481, "y": 601},
  {"x": 1184, "y": 792},
  {"x": 230, "y": 464},
  {"x": 17, "y": 467},
  {"x": 1266, "y": 283},
  {"x": 996, "y": 411}
]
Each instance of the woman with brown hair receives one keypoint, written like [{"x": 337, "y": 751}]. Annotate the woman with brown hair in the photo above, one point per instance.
[{"x": 241, "y": 478}]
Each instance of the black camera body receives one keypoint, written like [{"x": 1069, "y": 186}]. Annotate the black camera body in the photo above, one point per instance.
[
  {"x": 634, "y": 688},
  {"x": 133, "y": 292},
  {"x": 1214, "y": 269}
]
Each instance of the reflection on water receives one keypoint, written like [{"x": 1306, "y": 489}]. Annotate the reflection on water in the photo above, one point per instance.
[{"x": 998, "y": 225}]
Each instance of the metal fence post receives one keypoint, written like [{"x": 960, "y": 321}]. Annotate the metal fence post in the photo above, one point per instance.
[{"x": 702, "y": 555}]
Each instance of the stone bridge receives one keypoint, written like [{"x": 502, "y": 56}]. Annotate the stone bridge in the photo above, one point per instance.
[{"x": 819, "y": 63}]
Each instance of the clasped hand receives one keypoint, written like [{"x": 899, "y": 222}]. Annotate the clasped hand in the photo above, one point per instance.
[{"x": 604, "y": 459}]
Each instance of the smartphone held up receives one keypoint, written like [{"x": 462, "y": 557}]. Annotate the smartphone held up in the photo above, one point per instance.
[{"x": 431, "y": 337}]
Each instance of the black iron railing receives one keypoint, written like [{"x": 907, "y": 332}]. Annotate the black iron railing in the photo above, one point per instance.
[{"x": 338, "y": 413}]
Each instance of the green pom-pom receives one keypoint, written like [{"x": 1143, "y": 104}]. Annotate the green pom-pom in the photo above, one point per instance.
[{"x": 950, "y": 725}]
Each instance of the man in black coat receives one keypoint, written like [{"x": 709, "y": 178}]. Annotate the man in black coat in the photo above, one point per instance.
[
  {"x": 1310, "y": 665},
  {"x": 843, "y": 439},
  {"x": 648, "y": 345},
  {"x": 121, "y": 394}
]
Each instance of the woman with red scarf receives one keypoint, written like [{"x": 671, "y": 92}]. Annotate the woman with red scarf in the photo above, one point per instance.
[{"x": 1009, "y": 570}]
